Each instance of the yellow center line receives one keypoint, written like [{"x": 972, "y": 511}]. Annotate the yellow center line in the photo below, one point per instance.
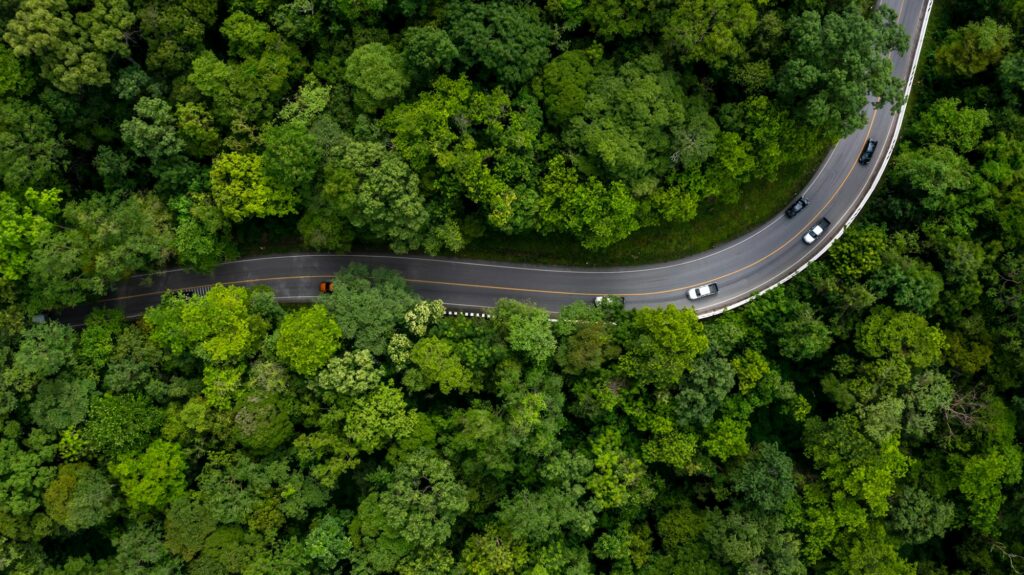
[
  {"x": 534, "y": 290},
  {"x": 831, "y": 198}
]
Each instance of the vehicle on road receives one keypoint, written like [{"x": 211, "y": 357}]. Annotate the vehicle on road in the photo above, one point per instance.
[
  {"x": 869, "y": 150},
  {"x": 817, "y": 231},
  {"x": 326, "y": 287},
  {"x": 608, "y": 299},
  {"x": 797, "y": 207},
  {"x": 702, "y": 291}
]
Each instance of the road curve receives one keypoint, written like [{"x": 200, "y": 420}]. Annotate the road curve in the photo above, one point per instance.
[{"x": 742, "y": 268}]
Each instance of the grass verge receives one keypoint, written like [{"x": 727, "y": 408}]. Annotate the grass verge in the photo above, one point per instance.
[{"x": 713, "y": 225}]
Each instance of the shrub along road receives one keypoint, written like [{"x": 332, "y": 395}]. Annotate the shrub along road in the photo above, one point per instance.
[{"x": 742, "y": 268}]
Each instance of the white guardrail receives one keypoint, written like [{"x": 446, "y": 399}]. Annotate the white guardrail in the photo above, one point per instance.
[{"x": 871, "y": 189}]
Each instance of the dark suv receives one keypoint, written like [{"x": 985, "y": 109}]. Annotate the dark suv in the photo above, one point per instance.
[
  {"x": 869, "y": 150},
  {"x": 796, "y": 208}
]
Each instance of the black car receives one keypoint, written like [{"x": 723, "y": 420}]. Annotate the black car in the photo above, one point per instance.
[
  {"x": 869, "y": 150},
  {"x": 796, "y": 208}
]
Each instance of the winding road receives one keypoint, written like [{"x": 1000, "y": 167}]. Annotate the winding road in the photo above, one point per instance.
[{"x": 742, "y": 268}]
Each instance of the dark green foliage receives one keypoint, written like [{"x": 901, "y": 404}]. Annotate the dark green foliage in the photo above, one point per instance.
[
  {"x": 80, "y": 497},
  {"x": 119, "y": 424},
  {"x": 422, "y": 125},
  {"x": 864, "y": 418},
  {"x": 508, "y": 40},
  {"x": 368, "y": 305}
]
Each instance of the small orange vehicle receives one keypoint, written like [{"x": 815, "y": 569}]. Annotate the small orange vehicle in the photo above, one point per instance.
[{"x": 326, "y": 287}]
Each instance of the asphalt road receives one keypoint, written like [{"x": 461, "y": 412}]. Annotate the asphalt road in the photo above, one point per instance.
[{"x": 742, "y": 268}]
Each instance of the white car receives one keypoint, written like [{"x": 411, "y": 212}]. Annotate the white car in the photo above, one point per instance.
[
  {"x": 817, "y": 231},
  {"x": 702, "y": 291}
]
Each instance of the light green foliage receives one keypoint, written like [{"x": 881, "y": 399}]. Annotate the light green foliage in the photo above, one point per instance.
[
  {"x": 12, "y": 78},
  {"x": 854, "y": 463},
  {"x": 492, "y": 554},
  {"x": 728, "y": 439},
  {"x": 377, "y": 73},
  {"x": 96, "y": 340},
  {"x": 622, "y": 136},
  {"x": 902, "y": 335},
  {"x": 327, "y": 543},
  {"x": 246, "y": 92},
  {"x": 436, "y": 363},
  {"x": 870, "y": 551},
  {"x": 240, "y": 189},
  {"x": 352, "y": 374},
  {"x": 222, "y": 384},
  {"x": 73, "y": 48},
  {"x": 947, "y": 123},
  {"x": 480, "y": 142},
  {"x": 27, "y": 221},
  {"x": 246, "y": 35},
  {"x": 425, "y": 314},
  {"x": 377, "y": 417},
  {"x": 222, "y": 326},
  {"x": 620, "y": 479},
  {"x": 664, "y": 343},
  {"x": 327, "y": 456},
  {"x": 711, "y": 31},
  {"x": 983, "y": 478},
  {"x": 306, "y": 339},
  {"x": 195, "y": 128},
  {"x": 974, "y": 47},
  {"x": 80, "y": 497},
  {"x": 598, "y": 216},
  {"x": 309, "y": 103},
  {"x": 154, "y": 478},
  {"x": 527, "y": 330}
]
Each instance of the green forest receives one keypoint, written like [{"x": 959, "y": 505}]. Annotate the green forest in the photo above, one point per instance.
[
  {"x": 136, "y": 134},
  {"x": 866, "y": 418}
]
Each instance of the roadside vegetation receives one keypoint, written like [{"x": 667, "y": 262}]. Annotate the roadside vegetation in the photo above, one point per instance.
[
  {"x": 138, "y": 135},
  {"x": 866, "y": 418}
]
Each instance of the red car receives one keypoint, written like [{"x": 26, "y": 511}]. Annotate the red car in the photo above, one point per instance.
[{"x": 326, "y": 287}]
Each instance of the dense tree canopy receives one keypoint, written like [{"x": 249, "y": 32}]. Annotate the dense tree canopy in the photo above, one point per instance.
[
  {"x": 864, "y": 418},
  {"x": 419, "y": 125}
]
